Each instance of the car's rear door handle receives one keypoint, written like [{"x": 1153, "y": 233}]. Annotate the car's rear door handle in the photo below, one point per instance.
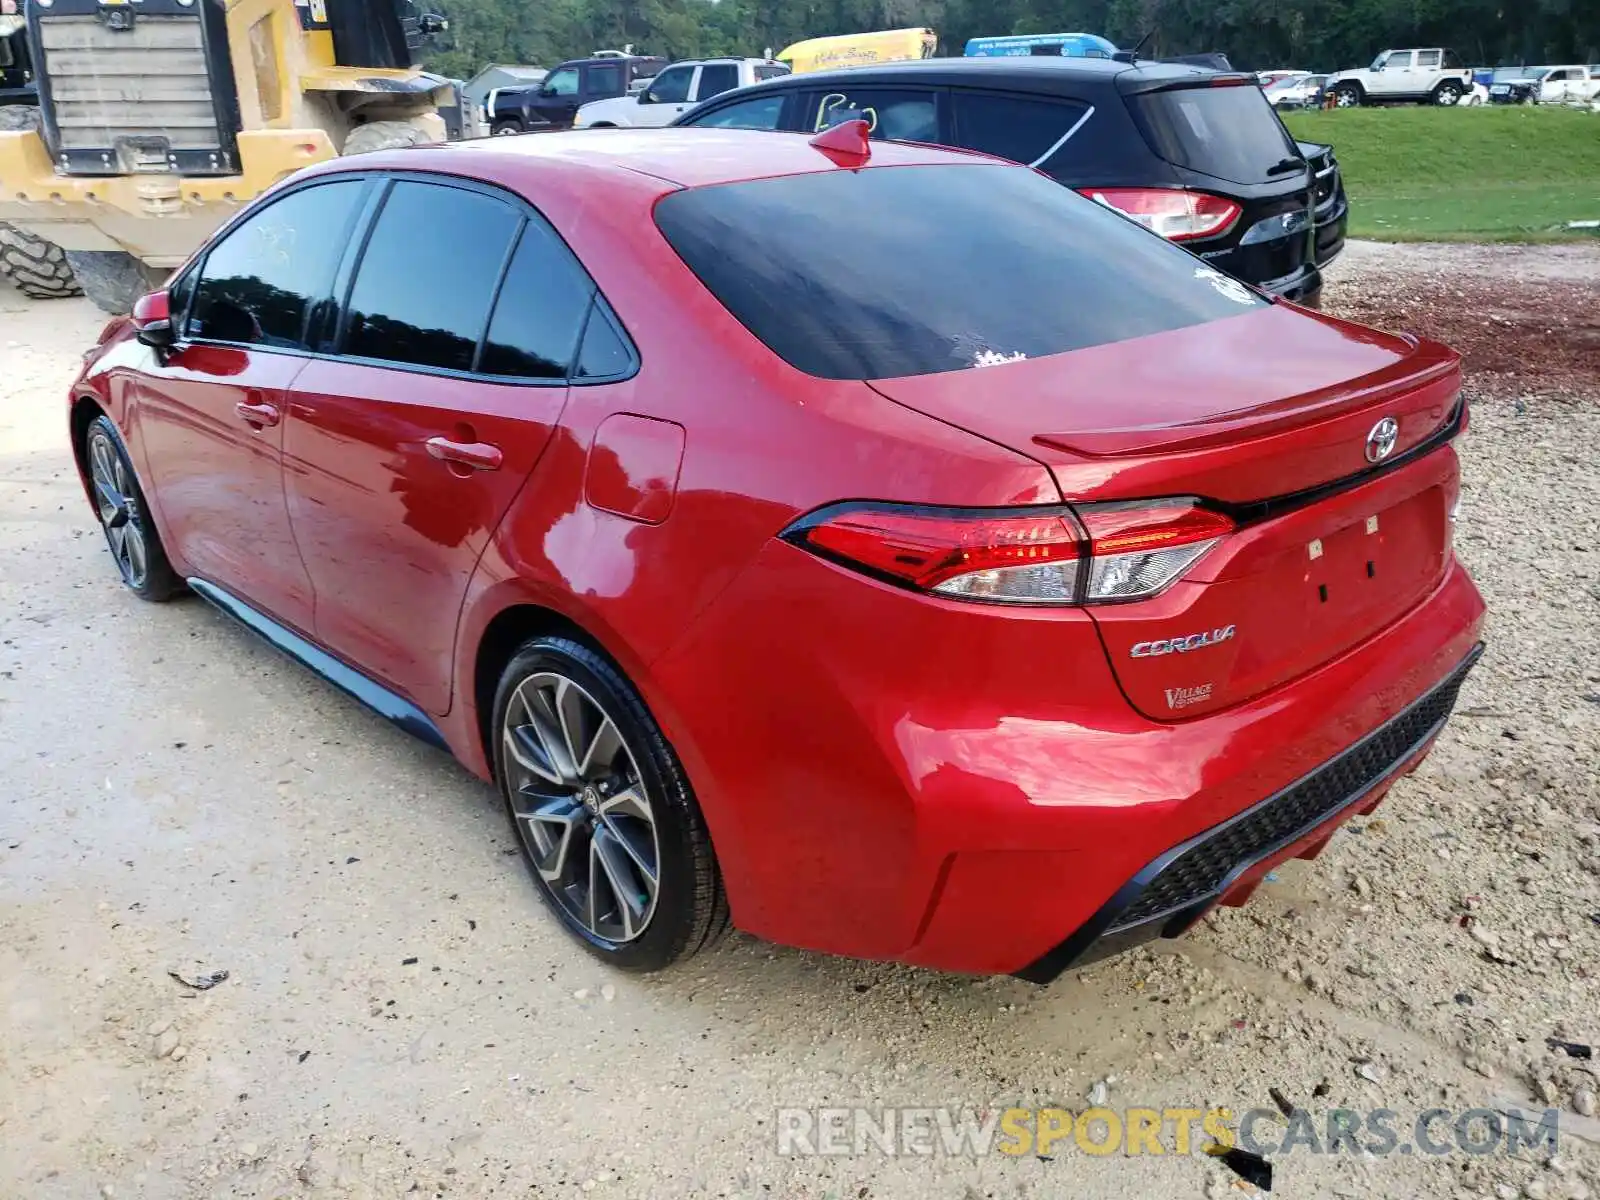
[
  {"x": 480, "y": 456},
  {"x": 259, "y": 415}
]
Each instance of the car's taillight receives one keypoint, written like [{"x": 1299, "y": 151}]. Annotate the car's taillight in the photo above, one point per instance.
[
  {"x": 1141, "y": 548},
  {"x": 1174, "y": 213},
  {"x": 1098, "y": 553}
]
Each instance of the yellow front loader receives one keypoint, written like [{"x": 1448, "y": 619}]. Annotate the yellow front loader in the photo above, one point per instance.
[{"x": 158, "y": 119}]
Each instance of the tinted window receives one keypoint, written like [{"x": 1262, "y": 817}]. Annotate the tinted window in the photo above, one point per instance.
[
  {"x": 605, "y": 353},
  {"x": 716, "y": 78},
  {"x": 672, "y": 86},
  {"x": 1010, "y": 126},
  {"x": 427, "y": 277},
  {"x": 892, "y": 113},
  {"x": 606, "y": 79},
  {"x": 179, "y": 295},
  {"x": 562, "y": 82},
  {"x": 771, "y": 71},
  {"x": 541, "y": 309},
  {"x": 763, "y": 112},
  {"x": 916, "y": 270},
  {"x": 259, "y": 281},
  {"x": 1229, "y": 132},
  {"x": 1452, "y": 60}
]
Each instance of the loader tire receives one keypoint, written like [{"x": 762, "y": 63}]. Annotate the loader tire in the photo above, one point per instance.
[
  {"x": 385, "y": 135},
  {"x": 36, "y": 268},
  {"x": 113, "y": 279}
]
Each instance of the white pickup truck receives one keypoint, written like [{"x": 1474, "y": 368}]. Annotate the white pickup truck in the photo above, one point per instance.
[
  {"x": 1431, "y": 76},
  {"x": 675, "y": 91}
]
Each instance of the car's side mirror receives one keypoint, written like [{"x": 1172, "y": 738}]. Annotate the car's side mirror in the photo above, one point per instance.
[
  {"x": 647, "y": 97},
  {"x": 152, "y": 321}
]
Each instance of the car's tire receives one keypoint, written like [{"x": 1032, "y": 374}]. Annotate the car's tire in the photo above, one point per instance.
[
  {"x": 599, "y": 805},
  {"x": 603, "y": 125},
  {"x": 36, "y": 268},
  {"x": 1448, "y": 94},
  {"x": 1347, "y": 95},
  {"x": 385, "y": 135},
  {"x": 505, "y": 128},
  {"x": 120, "y": 506},
  {"x": 113, "y": 279}
]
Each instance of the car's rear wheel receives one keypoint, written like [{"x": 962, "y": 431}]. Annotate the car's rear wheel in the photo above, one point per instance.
[
  {"x": 607, "y": 821},
  {"x": 119, "y": 503},
  {"x": 1448, "y": 93},
  {"x": 1347, "y": 95}
]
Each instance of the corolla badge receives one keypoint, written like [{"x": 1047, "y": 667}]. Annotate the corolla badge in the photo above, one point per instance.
[
  {"x": 1380, "y": 442},
  {"x": 1182, "y": 645}
]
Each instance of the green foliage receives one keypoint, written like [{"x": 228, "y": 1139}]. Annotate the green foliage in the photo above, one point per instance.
[
  {"x": 1497, "y": 173},
  {"x": 1255, "y": 34}
]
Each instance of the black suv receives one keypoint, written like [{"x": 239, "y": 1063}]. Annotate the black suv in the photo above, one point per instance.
[
  {"x": 553, "y": 103},
  {"x": 1197, "y": 155}
]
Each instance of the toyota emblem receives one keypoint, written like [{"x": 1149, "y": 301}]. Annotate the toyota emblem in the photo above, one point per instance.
[{"x": 1380, "y": 442}]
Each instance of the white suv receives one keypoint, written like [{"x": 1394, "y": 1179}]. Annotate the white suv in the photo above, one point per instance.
[
  {"x": 674, "y": 91},
  {"x": 1433, "y": 76}
]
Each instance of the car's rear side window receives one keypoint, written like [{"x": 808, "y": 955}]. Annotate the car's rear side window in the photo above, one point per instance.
[
  {"x": 428, "y": 274},
  {"x": 540, "y": 312},
  {"x": 1015, "y": 127},
  {"x": 898, "y": 271},
  {"x": 259, "y": 280},
  {"x": 1228, "y": 132}
]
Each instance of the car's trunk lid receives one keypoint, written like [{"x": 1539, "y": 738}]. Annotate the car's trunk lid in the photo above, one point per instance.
[{"x": 1268, "y": 417}]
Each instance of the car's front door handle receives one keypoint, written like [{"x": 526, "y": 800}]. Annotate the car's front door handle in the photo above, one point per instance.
[
  {"x": 260, "y": 415},
  {"x": 480, "y": 456}
]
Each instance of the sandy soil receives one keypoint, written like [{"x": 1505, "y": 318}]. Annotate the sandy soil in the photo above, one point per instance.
[{"x": 400, "y": 1017}]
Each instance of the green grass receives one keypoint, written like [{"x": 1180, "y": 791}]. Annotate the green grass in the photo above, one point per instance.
[{"x": 1495, "y": 173}]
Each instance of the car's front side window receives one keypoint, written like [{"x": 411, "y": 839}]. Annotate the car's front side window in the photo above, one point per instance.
[
  {"x": 671, "y": 86},
  {"x": 259, "y": 282},
  {"x": 762, "y": 112},
  {"x": 428, "y": 276},
  {"x": 563, "y": 82}
]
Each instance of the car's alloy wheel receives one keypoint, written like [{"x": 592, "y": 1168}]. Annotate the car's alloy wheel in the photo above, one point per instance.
[
  {"x": 1447, "y": 95},
  {"x": 119, "y": 504},
  {"x": 119, "y": 510},
  {"x": 1346, "y": 97},
  {"x": 581, "y": 807},
  {"x": 609, "y": 826}
]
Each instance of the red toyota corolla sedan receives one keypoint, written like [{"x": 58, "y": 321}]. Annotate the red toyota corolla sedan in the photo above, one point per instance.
[{"x": 883, "y": 547}]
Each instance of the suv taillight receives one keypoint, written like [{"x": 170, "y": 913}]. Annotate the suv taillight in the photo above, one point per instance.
[
  {"x": 1093, "y": 554},
  {"x": 1176, "y": 214}
]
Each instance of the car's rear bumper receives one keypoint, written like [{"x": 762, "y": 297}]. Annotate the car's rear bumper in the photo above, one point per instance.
[
  {"x": 966, "y": 788},
  {"x": 1303, "y": 286},
  {"x": 1225, "y": 863}
]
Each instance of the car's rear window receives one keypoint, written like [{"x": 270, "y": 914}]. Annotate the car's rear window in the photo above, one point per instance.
[
  {"x": 1229, "y": 132},
  {"x": 897, "y": 271}
]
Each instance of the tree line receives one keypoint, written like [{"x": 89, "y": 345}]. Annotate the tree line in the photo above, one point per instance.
[{"x": 1254, "y": 34}]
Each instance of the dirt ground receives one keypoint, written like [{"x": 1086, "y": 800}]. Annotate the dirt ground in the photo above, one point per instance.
[{"x": 400, "y": 1018}]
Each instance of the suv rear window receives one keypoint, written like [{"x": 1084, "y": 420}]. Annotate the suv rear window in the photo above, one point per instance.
[
  {"x": 896, "y": 271},
  {"x": 1229, "y": 132}
]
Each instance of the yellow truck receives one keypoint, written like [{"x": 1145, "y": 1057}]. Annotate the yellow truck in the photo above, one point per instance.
[
  {"x": 859, "y": 49},
  {"x": 158, "y": 119}
]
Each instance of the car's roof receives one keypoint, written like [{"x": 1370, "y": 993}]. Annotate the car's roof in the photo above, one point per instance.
[
  {"x": 685, "y": 157},
  {"x": 1029, "y": 74}
]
